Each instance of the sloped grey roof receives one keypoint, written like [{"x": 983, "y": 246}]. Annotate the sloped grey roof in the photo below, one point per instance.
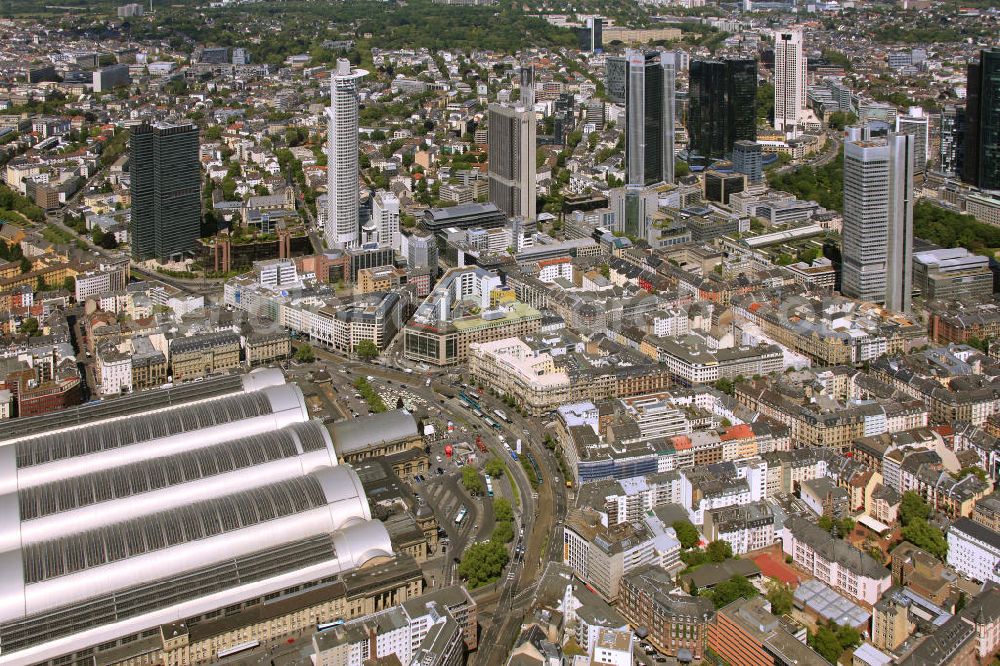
[{"x": 359, "y": 434}]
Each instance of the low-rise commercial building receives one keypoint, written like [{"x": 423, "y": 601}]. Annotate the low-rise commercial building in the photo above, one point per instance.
[
  {"x": 542, "y": 374},
  {"x": 201, "y": 355},
  {"x": 690, "y": 361},
  {"x": 954, "y": 273},
  {"x": 678, "y": 624},
  {"x": 466, "y": 307},
  {"x": 745, "y": 632}
]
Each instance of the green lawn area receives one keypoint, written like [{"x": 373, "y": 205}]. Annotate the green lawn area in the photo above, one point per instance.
[
  {"x": 56, "y": 235},
  {"x": 513, "y": 486},
  {"x": 7, "y": 215}
]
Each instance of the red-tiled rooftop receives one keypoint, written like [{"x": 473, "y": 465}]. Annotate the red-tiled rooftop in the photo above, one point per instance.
[
  {"x": 774, "y": 568},
  {"x": 741, "y": 431}
]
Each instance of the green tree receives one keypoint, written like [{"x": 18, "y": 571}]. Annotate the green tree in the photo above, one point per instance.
[
  {"x": 687, "y": 533},
  {"x": 25, "y": 265},
  {"x": 948, "y": 228},
  {"x": 371, "y": 396},
  {"x": 913, "y": 506},
  {"x": 848, "y": 636},
  {"x": 780, "y": 597},
  {"x": 29, "y": 326},
  {"x": 495, "y": 467},
  {"x": 471, "y": 480},
  {"x": 725, "y": 385},
  {"x": 482, "y": 563},
  {"x": 229, "y": 188},
  {"x": 503, "y": 532},
  {"x": 765, "y": 103},
  {"x": 305, "y": 354},
  {"x": 927, "y": 537},
  {"x": 502, "y": 511},
  {"x": 826, "y": 643},
  {"x": 719, "y": 551},
  {"x": 830, "y": 640},
  {"x": 978, "y": 472},
  {"x": 730, "y": 590},
  {"x": 69, "y": 284},
  {"x": 838, "y": 120},
  {"x": 824, "y": 184},
  {"x": 366, "y": 350}
]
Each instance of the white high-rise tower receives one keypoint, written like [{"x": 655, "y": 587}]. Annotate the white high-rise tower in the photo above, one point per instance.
[
  {"x": 385, "y": 215},
  {"x": 342, "y": 191},
  {"x": 877, "y": 237},
  {"x": 789, "y": 80}
]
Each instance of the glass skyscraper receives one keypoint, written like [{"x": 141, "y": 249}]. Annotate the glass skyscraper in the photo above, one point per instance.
[
  {"x": 721, "y": 108},
  {"x": 982, "y": 122},
  {"x": 165, "y": 181},
  {"x": 952, "y": 140},
  {"x": 645, "y": 82}
]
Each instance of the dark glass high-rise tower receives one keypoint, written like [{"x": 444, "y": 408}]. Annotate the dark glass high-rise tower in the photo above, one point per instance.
[
  {"x": 982, "y": 122},
  {"x": 952, "y": 156},
  {"x": 165, "y": 179},
  {"x": 721, "y": 106}
]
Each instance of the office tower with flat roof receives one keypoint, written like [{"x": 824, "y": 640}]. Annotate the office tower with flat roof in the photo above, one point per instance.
[
  {"x": 952, "y": 157},
  {"x": 721, "y": 106},
  {"x": 644, "y": 82},
  {"x": 165, "y": 182},
  {"x": 877, "y": 240},
  {"x": 982, "y": 121},
  {"x": 108, "y": 78},
  {"x": 342, "y": 195},
  {"x": 719, "y": 186},
  {"x": 385, "y": 215},
  {"x": 917, "y": 123},
  {"x": 615, "y": 76},
  {"x": 512, "y": 167},
  {"x": 789, "y": 80},
  {"x": 748, "y": 159}
]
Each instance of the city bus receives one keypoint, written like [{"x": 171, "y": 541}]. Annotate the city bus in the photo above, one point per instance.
[
  {"x": 501, "y": 415},
  {"x": 469, "y": 400},
  {"x": 489, "y": 486},
  {"x": 462, "y": 513}
]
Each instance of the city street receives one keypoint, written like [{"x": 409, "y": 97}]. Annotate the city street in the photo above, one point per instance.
[{"x": 540, "y": 512}]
